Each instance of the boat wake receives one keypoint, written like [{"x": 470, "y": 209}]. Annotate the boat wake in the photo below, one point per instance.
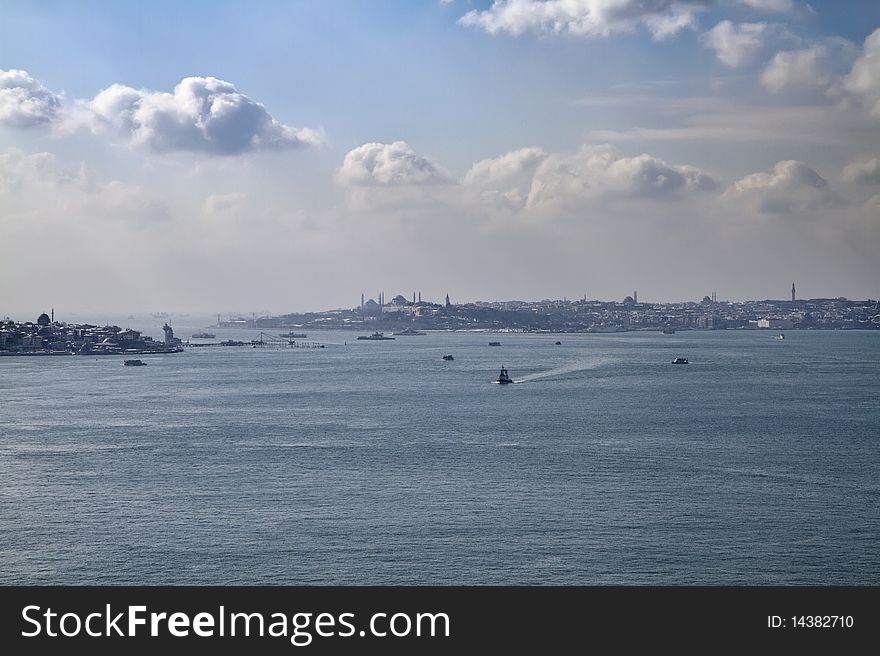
[{"x": 579, "y": 365}]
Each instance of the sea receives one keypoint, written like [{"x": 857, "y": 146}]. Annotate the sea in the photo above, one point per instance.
[{"x": 377, "y": 462}]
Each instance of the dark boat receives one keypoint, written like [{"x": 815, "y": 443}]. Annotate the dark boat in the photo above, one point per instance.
[
  {"x": 494, "y": 343},
  {"x": 504, "y": 377},
  {"x": 558, "y": 343},
  {"x": 680, "y": 361},
  {"x": 134, "y": 363},
  {"x": 669, "y": 331},
  {"x": 448, "y": 357},
  {"x": 375, "y": 336},
  {"x": 203, "y": 336}
]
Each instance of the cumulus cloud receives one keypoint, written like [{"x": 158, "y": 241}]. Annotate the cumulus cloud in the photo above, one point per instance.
[
  {"x": 599, "y": 171},
  {"x": 203, "y": 114},
  {"x": 866, "y": 172},
  {"x": 734, "y": 44},
  {"x": 394, "y": 164},
  {"x": 864, "y": 79},
  {"x": 798, "y": 70},
  {"x": 24, "y": 102},
  {"x": 791, "y": 187},
  {"x": 585, "y": 18},
  {"x": 506, "y": 167}
]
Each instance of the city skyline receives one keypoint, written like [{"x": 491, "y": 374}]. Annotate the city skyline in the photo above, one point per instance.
[{"x": 512, "y": 149}]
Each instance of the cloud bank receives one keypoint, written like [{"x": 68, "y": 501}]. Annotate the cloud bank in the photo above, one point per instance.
[{"x": 24, "y": 102}]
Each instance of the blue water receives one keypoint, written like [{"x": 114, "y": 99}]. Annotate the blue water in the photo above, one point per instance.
[{"x": 377, "y": 462}]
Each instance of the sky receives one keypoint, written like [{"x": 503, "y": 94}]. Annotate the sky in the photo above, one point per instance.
[{"x": 273, "y": 157}]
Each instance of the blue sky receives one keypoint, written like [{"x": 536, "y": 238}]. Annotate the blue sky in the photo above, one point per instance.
[{"x": 407, "y": 141}]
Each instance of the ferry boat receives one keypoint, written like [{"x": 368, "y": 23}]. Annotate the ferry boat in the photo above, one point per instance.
[
  {"x": 134, "y": 363},
  {"x": 203, "y": 336},
  {"x": 375, "y": 336},
  {"x": 504, "y": 377},
  {"x": 410, "y": 332},
  {"x": 680, "y": 361},
  {"x": 448, "y": 357}
]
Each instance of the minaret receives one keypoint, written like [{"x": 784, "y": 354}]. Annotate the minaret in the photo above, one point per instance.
[
  {"x": 53, "y": 315},
  {"x": 447, "y": 301},
  {"x": 635, "y": 296},
  {"x": 362, "y": 300},
  {"x": 792, "y": 292},
  {"x": 420, "y": 297}
]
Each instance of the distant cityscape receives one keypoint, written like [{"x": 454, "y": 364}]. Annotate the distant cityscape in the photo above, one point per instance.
[
  {"x": 581, "y": 315},
  {"x": 45, "y": 336}
]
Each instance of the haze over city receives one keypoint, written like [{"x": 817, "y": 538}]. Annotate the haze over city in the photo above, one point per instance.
[{"x": 289, "y": 156}]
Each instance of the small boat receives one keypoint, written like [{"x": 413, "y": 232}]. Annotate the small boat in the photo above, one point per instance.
[
  {"x": 504, "y": 378},
  {"x": 203, "y": 336},
  {"x": 669, "y": 331},
  {"x": 680, "y": 361},
  {"x": 494, "y": 343},
  {"x": 375, "y": 336},
  {"x": 134, "y": 363},
  {"x": 558, "y": 343},
  {"x": 781, "y": 336},
  {"x": 410, "y": 332},
  {"x": 448, "y": 357}
]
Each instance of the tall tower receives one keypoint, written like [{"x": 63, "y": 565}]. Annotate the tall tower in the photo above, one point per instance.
[
  {"x": 792, "y": 292},
  {"x": 447, "y": 301},
  {"x": 635, "y": 296},
  {"x": 362, "y": 300},
  {"x": 53, "y": 315}
]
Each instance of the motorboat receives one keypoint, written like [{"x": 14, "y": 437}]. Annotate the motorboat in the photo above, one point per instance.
[
  {"x": 448, "y": 358},
  {"x": 134, "y": 363},
  {"x": 494, "y": 343},
  {"x": 680, "y": 361},
  {"x": 504, "y": 377}
]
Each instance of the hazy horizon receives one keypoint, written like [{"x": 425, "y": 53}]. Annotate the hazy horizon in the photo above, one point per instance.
[{"x": 286, "y": 157}]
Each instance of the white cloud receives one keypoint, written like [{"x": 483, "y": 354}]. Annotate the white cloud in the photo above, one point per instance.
[
  {"x": 24, "y": 102},
  {"x": 866, "y": 172},
  {"x": 203, "y": 114},
  {"x": 771, "y": 6},
  {"x": 585, "y": 18},
  {"x": 502, "y": 169},
  {"x": 223, "y": 204},
  {"x": 798, "y": 70},
  {"x": 394, "y": 164},
  {"x": 734, "y": 44},
  {"x": 864, "y": 79},
  {"x": 18, "y": 171},
  {"x": 599, "y": 171},
  {"x": 791, "y": 187}
]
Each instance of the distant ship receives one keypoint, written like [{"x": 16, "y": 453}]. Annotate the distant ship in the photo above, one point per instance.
[
  {"x": 669, "y": 331},
  {"x": 160, "y": 315},
  {"x": 410, "y": 332},
  {"x": 375, "y": 336},
  {"x": 503, "y": 377},
  {"x": 494, "y": 343},
  {"x": 680, "y": 361},
  {"x": 294, "y": 335},
  {"x": 448, "y": 357},
  {"x": 203, "y": 336},
  {"x": 134, "y": 363}
]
